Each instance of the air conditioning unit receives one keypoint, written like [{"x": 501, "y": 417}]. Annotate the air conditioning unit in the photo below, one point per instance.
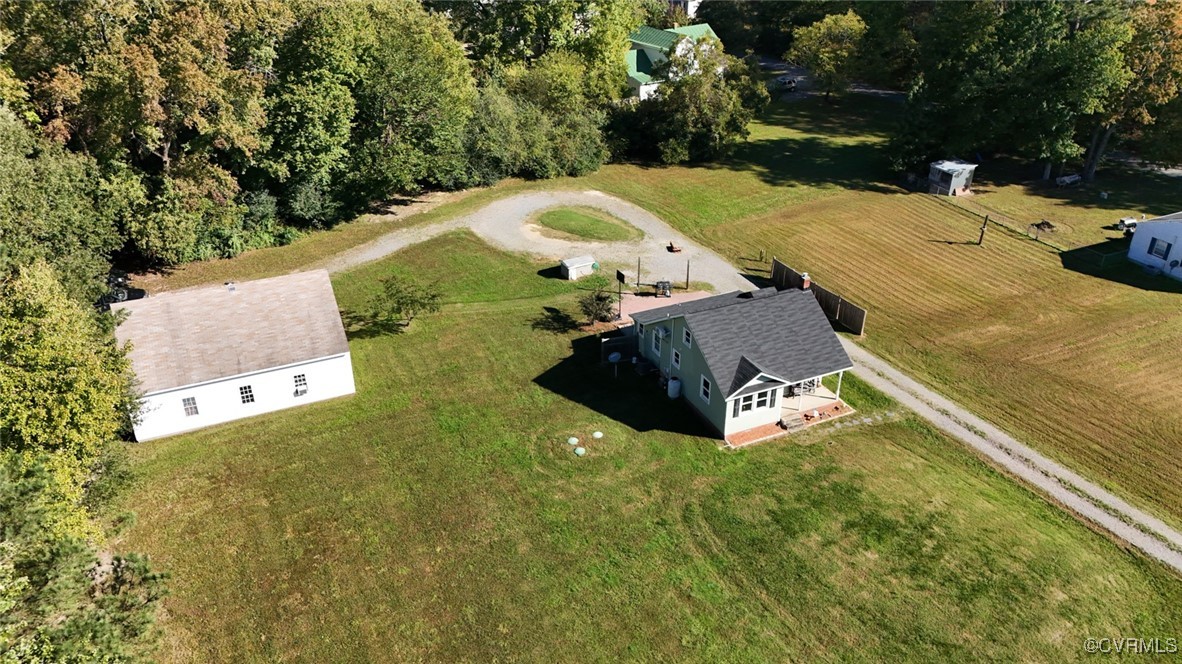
[{"x": 663, "y": 332}]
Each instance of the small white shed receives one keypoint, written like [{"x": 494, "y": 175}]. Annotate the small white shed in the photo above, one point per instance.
[
  {"x": 578, "y": 267},
  {"x": 950, "y": 177}
]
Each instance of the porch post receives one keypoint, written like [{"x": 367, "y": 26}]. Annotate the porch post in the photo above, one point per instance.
[
  {"x": 839, "y": 377},
  {"x": 799, "y": 396}
]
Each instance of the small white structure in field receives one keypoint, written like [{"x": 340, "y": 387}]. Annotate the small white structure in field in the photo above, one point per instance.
[
  {"x": 211, "y": 355},
  {"x": 1156, "y": 244},
  {"x": 950, "y": 177},
  {"x": 578, "y": 267}
]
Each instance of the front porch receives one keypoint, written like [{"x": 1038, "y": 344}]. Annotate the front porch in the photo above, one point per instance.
[{"x": 802, "y": 405}]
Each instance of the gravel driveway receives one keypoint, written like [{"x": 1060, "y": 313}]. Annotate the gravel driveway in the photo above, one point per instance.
[{"x": 502, "y": 224}]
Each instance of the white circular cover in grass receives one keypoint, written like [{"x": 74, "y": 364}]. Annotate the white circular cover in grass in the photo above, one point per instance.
[
  {"x": 572, "y": 441},
  {"x": 597, "y": 435},
  {"x": 580, "y": 451}
]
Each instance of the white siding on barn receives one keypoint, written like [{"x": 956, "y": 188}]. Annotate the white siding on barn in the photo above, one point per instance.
[
  {"x": 163, "y": 413},
  {"x": 1153, "y": 234}
]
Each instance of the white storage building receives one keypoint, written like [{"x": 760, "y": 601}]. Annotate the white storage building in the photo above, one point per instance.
[
  {"x": 210, "y": 355},
  {"x": 950, "y": 177}
]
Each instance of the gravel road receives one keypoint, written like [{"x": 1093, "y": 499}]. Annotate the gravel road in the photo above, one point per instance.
[{"x": 502, "y": 223}]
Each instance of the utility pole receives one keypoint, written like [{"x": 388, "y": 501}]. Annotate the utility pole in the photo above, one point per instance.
[
  {"x": 638, "y": 271},
  {"x": 687, "y": 274},
  {"x": 985, "y": 223}
]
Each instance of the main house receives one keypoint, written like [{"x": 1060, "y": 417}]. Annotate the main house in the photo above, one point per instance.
[
  {"x": 211, "y": 355},
  {"x": 652, "y": 46},
  {"x": 745, "y": 360},
  {"x": 1155, "y": 244}
]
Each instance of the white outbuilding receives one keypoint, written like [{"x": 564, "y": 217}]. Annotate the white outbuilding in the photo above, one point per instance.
[
  {"x": 1156, "y": 244},
  {"x": 578, "y": 267},
  {"x": 210, "y": 355},
  {"x": 950, "y": 177}
]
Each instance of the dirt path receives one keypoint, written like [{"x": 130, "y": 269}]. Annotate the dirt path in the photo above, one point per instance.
[{"x": 503, "y": 224}]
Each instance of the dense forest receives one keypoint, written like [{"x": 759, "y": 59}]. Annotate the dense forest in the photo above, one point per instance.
[{"x": 154, "y": 132}]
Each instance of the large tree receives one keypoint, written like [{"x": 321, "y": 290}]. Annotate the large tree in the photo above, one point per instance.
[
  {"x": 66, "y": 385},
  {"x": 54, "y": 205},
  {"x": 1154, "y": 58},
  {"x": 701, "y": 110},
  {"x": 1014, "y": 77},
  {"x": 827, "y": 49},
  {"x": 59, "y": 602}
]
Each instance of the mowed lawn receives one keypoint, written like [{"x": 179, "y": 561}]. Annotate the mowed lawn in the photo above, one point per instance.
[
  {"x": 1080, "y": 365},
  {"x": 584, "y": 223},
  {"x": 439, "y": 515}
]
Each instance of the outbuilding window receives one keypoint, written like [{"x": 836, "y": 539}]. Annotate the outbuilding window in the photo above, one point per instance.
[
  {"x": 301, "y": 385},
  {"x": 246, "y": 393},
  {"x": 1159, "y": 248},
  {"x": 190, "y": 404},
  {"x": 705, "y": 389}
]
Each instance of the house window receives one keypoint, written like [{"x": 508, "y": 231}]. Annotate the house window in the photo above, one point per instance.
[
  {"x": 640, "y": 329},
  {"x": 705, "y": 389},
  {"x": 763, "y": 399},
  {"x": 743, "y": 405},
  {"x": 190, "y": 404},
  {"x": 246, "y": 393},
  {"x": 687, "y": 337},
  {"x": 657, "y": 342},
  {"x": 1159, "y": 248},
  {"x": 301, "y": 385},
  {"x": 677, "y": 359}
]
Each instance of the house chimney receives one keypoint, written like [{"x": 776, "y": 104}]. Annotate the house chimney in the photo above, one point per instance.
[{"x": 805, "y": 281}]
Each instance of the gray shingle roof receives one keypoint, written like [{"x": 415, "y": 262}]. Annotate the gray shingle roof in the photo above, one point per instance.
[
  {"x": 1176, "y": 216},
  {"x": 197, "y": 335},
  {"x": 785, "y": 335}
]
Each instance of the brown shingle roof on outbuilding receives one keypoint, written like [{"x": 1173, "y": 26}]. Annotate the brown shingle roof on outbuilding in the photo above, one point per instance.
[{"x": 198, "y": 335}]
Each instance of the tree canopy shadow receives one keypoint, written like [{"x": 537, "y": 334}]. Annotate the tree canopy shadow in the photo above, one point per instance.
[
  {"x": 554, "y": 320},
  {"x": 363, "y": 325},
  {"x": 623, "y": 396},
  {"x": 1108, "y": 260}
]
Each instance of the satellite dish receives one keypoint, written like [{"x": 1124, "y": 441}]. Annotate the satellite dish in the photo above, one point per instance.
[
  {"x": 1173, "y": 264},
  {"x": 615, "y": 357}
]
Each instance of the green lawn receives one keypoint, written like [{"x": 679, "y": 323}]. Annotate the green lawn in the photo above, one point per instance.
[
  {"x": 584, "y": 223},
  {"x": 438, "y": 515}
]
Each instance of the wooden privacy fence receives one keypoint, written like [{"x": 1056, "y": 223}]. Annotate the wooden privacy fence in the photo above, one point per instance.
[{"x": 848, "y": 315}]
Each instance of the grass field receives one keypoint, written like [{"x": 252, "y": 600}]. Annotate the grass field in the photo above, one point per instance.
[
  {"x": 438, "y": 515},
  {"x": 582, "y": 223},
  {"x": 1070, "y": 360}
]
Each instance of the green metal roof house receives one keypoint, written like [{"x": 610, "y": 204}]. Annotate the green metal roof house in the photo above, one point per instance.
[{"x": 650, "y": 47}]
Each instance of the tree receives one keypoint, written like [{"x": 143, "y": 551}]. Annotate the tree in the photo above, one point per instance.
[
  {"x": 1154, "y": 57},
  {"x": 401, "y": 300},
  {"x": 828, "y": 49},
  {"x": 58, "y": 601},
  {"x": 55, "y": 206},
  {"x": 598, "y": 305},
  {"x": 414, "y": 96},
  {"x": 66, "y": 385},
  {"x": 699, "y": 112}
]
